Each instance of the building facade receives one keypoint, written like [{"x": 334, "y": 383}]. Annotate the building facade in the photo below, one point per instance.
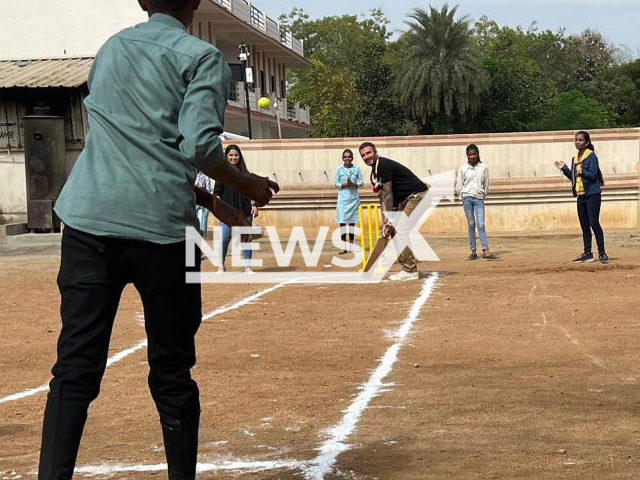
[{"x": 48, "y": 49}]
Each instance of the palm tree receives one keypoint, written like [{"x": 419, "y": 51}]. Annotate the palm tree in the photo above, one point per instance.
[{"x": 441, "y": 82}]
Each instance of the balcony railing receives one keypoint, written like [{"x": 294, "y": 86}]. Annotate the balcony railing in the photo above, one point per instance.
[
  {"x": 286, "y": 110},
  {"x": 252, "y": 15},
  {"x": 258, "y": 19}
]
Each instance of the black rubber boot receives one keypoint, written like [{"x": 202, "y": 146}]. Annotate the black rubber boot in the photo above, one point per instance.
[{"x": 181, "y": 448}]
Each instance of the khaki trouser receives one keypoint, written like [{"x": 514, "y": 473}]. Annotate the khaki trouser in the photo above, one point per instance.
[{"x": 406, "y": 258}]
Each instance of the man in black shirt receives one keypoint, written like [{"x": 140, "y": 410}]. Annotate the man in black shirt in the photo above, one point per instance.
[{"x": 399, "y": 189}]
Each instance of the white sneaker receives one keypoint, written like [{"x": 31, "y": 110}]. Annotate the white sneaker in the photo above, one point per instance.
[
  {"x": 220, "y": 271},
  {"x": 248, "y": 271},
  {"x": 403, "y": 276}
]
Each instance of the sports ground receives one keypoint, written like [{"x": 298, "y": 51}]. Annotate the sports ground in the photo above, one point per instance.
[{"x": 527, "y": 368}]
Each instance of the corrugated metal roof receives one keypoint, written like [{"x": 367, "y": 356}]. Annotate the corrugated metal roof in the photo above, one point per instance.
[{"x": 61, "y": 72}]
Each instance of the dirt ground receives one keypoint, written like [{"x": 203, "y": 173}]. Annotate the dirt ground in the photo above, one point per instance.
[{"x": 527, "y": 368}]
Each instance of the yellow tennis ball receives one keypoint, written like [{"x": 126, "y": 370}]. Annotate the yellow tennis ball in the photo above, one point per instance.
[{"x": 264, "y": 103}]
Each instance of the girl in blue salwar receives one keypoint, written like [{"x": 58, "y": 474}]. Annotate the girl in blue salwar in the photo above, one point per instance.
[
  {"x": 348, "y": 180},
  {"x": 586, "y": 182}
]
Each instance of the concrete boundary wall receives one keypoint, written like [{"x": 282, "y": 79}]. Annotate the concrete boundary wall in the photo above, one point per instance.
[
  {"x": 535, "y": 205},
  {"x": 527, "y": 191},
  {"x": 521, "y": 155}
]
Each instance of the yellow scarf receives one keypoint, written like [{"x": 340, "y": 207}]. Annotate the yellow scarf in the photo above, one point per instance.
[{"x": 578, "y": 163}]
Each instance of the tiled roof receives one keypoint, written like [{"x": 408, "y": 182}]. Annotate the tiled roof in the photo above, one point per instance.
[{"x": 61, "y": 72}]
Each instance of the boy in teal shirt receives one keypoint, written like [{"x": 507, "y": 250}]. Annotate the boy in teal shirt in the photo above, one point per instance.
[{"x": 156, "y": 110}]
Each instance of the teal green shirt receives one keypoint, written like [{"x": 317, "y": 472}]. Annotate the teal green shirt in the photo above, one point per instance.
[{"x": 156, "y": 105}]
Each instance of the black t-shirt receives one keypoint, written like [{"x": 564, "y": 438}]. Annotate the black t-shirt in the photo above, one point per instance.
[
  {"x": 403, "y": 181},
  {"x": 232, "y": 197}
]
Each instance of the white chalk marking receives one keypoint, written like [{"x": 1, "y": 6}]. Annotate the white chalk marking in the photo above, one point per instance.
[
  {"x": 247, "y": 300},
  {"x": 45, "y": 388},
  {"x": 542, "y": 324},
  {"x": 25, "y": 394},
  {"x": 107, "y": 470},
  {"x": 220, "y": 443},
  {"x": 335, "y": 444},
  {"x": 125, "y": 353},
  {"x": 143, "y": 344},
  {"x": 576, "y": 342}
]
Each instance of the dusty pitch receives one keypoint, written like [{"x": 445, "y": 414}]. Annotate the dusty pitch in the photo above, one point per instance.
[{"x": 526, "y": 369}]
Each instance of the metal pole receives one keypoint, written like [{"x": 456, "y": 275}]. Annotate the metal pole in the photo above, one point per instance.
[
  {"x": 277, "y": 105},
  {"x": 243, "y": 56},
  {"x": 247, "y": 101}
]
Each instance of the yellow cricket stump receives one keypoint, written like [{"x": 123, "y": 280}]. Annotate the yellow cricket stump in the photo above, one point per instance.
[{"x": 370, "y": 235}]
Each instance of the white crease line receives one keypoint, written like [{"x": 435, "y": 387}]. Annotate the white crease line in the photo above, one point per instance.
[
  {"x": 248, "y": 300},
  {"x": 45, "y": 388},
  {"x": 26, "y": 393},
  {"x": 143, "y": 344},
  {"x": 576, "y": 342},
  {"x": 107, "y": 470},
  {"x": 327, "y": 457},
  {"x": 125, "y": 353}
]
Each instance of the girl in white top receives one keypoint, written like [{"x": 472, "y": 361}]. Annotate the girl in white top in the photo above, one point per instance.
[{"x": 472, "y": 186}]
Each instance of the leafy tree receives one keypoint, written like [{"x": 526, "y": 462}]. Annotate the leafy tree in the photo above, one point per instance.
[
  {"x": 547, "y": 49},
  {"x": 573, "y": 111},
  {"x": 378, "y": 112},
  {"x": 336, "y": 40},
  {"x": 598, "y": 75},
  {"x": 441, "y": 76},
  {"x": 348, "y": 87},
  {"x": 331, "y": 95},
  {"x": 518, "y": 96},
  {"x": 586, "y": 63},
  {"x": 631, "y": 113},
  {"x": 594, "y": 54},
  {"x": 441, "y": 82}
]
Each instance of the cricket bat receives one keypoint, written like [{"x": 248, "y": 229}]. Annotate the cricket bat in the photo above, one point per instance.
[{"x": 381, "y": 244}]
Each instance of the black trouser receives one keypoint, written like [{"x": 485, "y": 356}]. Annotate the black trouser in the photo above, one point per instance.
[
  {"x": 351, "y": 230},
  {"x": 589, "y": 215},
  {"x": 93, "y": 273}
]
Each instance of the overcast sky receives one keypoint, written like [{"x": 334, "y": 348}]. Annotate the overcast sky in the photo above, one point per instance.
[{"x": 618, "y": 20}]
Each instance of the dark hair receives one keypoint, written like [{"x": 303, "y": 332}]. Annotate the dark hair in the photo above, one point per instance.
[
  {"x": 367, "y": 144},
  {"x": 170, "y": 5},
  {"x": 587, "y": 137},
  {"x": 474, "y": 148},
  {"x": 347, "y": 150},
  {"x": 591, "y": 147},
  {"x": 241, "y": 165}
]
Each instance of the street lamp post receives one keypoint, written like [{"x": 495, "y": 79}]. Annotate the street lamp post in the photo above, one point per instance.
[
  {"x": 243, "y": 56},
  {"x": 277, "y": 107}
]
